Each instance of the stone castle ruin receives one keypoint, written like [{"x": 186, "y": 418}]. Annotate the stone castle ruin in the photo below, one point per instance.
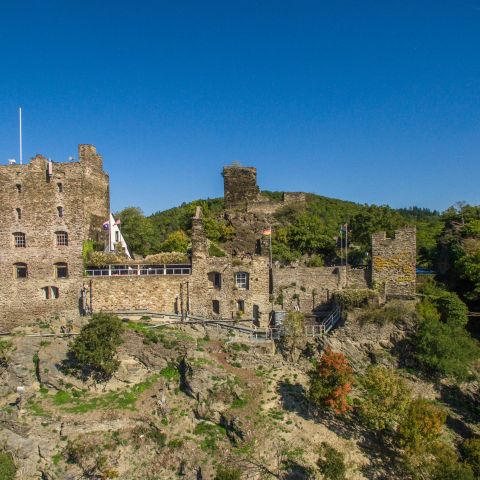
[{"x": 50, "y": 210}]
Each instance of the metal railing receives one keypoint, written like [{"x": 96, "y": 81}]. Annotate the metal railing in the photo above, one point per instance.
[{"x": 138, "y": 270}]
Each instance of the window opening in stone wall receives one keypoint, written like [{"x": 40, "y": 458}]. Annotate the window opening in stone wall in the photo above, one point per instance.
[
  {"x": 241, "y": 280},
  {"x": 117, "y": 237},
  {"x": 60, "y": 187},
  {"x": 60, "y": 211},
  {"x": 216, "y": 306},
  {"x": 256, "y": 315},
  {"x": 19, "y": 240},
  {"x": 240, "y": 306},
  {"x": 21, "y": 270},
  {"x": 50, "y": 292},
  {"x": 18, "y": 187},
  {"x": 19, "y": 213},
  {"x": 62, "y": 239},
  {"x": 258, "y": 247},
  {"x": 215, "y": 279},
  {"x": 61, "y": 270}
]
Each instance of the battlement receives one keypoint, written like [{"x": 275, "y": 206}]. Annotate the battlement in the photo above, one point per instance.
[{"x": 240, "y": 187}]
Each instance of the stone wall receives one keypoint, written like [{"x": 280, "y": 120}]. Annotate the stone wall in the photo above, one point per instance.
[
  {"x": 240, "y": 187},
  {"x": 31, "y": 196},
  {"x": 162, "y": 293},
  {"x": 394, "y": 262}
]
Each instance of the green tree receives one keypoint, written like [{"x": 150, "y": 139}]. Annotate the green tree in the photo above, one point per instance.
[
  {"x": 293, "y": 334},
  {"x": 385, "y": 398},
  {"x": 421, "y": 426},
  {"x": 138, "y": 231},
  {"x": 176, "y": 242},
  {"x": 471, "y": 454},
  {"x": 94, "y": 350},
  {"x": 443, "y": 348},
  {"x": 331, "y": 463}
]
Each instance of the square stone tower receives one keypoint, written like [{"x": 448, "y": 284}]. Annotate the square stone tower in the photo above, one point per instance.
[{"x": 48, "y": 210}]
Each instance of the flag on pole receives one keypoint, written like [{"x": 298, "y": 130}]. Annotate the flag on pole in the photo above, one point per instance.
[
  {"x": 267, "y": 231},
  {"x": 106, "y": 225},
  {"x": 118, "y": 221}
]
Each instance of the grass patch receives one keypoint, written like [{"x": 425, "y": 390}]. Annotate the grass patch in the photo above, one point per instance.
[
  {"x": 211, "y": 435},
  {"x": 170, "y": 372},
  {"x": 8, "y": 469}
]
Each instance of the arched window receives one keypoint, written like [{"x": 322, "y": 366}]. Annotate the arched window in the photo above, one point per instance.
[
  {"x": 215, "y": 280},
  {"x": 50, "y": 292},
  {"x": 61, "y": 270},
  {"x": 241, "y": 280},
  {"x": 62, "y": 239},
  {"x": 60, "y": 211},
  {"x": 19, "y": 213},
  {"x": 20, "y": 270},
  {"x": 19, "y": 240}
]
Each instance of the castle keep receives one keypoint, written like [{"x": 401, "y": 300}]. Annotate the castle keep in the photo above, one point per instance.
[{"x": 50, "y": 210}]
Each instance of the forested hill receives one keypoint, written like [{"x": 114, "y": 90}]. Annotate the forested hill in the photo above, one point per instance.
[{"x": 299, "y": 231}]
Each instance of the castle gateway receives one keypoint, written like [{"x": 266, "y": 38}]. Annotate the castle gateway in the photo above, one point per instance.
[{"x": 50, "y": 211}]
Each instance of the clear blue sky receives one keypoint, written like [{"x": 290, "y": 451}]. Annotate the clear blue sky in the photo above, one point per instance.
[{"x": 376, "y": 102}]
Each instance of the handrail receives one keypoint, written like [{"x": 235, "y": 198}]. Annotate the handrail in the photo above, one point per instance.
[{"x": 138, "y": 270}]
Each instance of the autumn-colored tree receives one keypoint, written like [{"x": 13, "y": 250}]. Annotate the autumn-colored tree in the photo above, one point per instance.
[
  {"x": 421, "y": 426},
  {"x": 331, "y": 382}
]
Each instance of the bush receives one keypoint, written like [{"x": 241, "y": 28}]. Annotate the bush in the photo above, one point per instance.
[
  {"x": 385, "y": 398},
  {"x": 471, "y": 454},
  {"x": 94, "y": 351},
  {"x": 6, "y": 349},
  {"x": 392, "y": 313},
  {"x": 421, "y": 426},
  {"x": 8, "y": 469},
  {"x": 228, "y": 473},
  {"x": 443, "y": 348},
  {"x": 293, "y": 335},
  {"x": 331, "y": 463},
  {"x": 446, "y": 465},
  {"x": 215, "y": 251},
  {"x": 351, "y": 298},
  {"x": 331, "y": 381}
]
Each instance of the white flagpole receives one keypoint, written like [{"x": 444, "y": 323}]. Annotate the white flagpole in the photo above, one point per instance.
[{"x": 20, "y": 139}]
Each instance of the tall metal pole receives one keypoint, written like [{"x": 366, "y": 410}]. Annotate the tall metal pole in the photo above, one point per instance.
[
  {"x": 20, "y": 139},
  {"x": 341, "y": 245},
  {"x": 346, "y": 253}
]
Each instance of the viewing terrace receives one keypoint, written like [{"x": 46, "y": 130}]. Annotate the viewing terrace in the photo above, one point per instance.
[{"x": 138, "y": 269}]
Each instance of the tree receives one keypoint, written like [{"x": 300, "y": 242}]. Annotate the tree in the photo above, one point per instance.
[
  {"x": 421, "y": 426},
  {"x": 385, "y": 398},
  {"x": 331, "y": 381},
  {"x": 471, "y": 454},
  {"x": 94, "y": 350},
  {"x": 293, "y": 334},
  {"x": 331, "y": 463},
  {"x": 442, "y": 347},
  {"x": 139, "y": 231},
  {"x": 175, "y": 242}
]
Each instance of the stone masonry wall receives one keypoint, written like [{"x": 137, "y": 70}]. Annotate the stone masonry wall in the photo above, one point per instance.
[
  {"x": 240, "y": 187},
  {"x": 394, "y": 262},
  {"x": 37, "y": 194},
  {"x": 162, "y": 293}
]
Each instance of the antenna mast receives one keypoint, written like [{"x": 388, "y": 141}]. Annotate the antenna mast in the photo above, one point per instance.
[{"x": 20, "y": 121}]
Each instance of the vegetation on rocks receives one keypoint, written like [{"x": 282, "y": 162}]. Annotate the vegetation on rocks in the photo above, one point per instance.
[
  {"x": 93, "y": 352},
  {"x": 8, "y": 469}
]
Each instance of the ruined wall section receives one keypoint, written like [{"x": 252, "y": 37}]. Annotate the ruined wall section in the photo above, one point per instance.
[
  {"x": 394, "y": 262},
  {"x": 31, "y": 196},
  {"x": 162, "y": 293},
  {"x": 240, "y": 187}
]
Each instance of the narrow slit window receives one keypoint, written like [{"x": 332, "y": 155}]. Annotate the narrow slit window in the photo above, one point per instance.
[
  {"x": 60, "y": 187},
  {"x": 216, "y": 306},
  {"x": 19, "y": 213},
  {"x": 240, "y": 306},
  {"x": 60, "y": 211},
  {"x": 18, "y": 186}
]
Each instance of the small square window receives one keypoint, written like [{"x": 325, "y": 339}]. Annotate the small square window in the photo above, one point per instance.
[
  {"x": 241, "y": 280},
  {"x": 62, "y": 239},
  {"x": 61, "y": 270},
  {"x": 19, "y": 240},
  {"x": 21, "y": 270}
]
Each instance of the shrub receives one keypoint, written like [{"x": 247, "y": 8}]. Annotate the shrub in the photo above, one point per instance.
[
  {"x": 8, "y": 469},
  {"x": 94, "y": 351},
  {"x": 350, "y": 298},
  {"x": 293, "y": 335},
  {"x": 331, "y": 463},
  {"x": 215, "y": 251},
  {"x": 443, "y": 348},
  {"x": 421, "y": 426},
  {"x": 6, "y": 349},
  {"x": 331, "y": 381},
  {"x": 471, "y": 454},
  {"x": 446, "y": 465},
  {"x": 228, "y": 473},
  {"x": 392, "y": 313},
  {"x": 385, "y": 398}
]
